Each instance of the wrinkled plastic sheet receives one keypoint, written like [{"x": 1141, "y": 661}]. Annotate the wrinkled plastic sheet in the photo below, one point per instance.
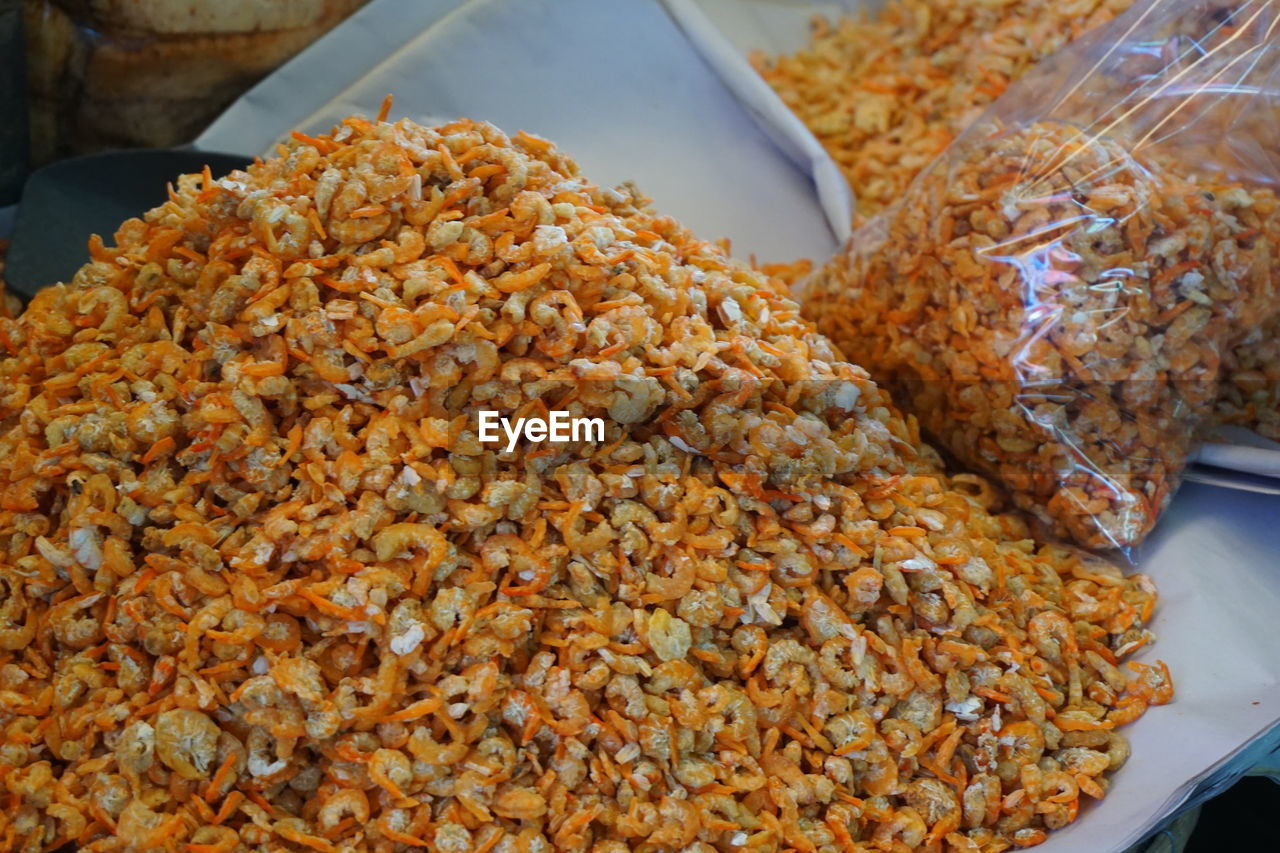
[{"x": 653, "y": 110}]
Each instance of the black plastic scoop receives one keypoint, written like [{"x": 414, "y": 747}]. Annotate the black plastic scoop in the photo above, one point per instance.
[{"x": 65, "y": 203}]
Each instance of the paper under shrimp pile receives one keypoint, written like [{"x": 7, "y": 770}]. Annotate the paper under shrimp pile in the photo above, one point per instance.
[{"x": 264, "y": 588}]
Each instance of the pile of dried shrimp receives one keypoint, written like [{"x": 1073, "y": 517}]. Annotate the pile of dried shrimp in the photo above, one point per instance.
[{"x": 264, "y": 588}]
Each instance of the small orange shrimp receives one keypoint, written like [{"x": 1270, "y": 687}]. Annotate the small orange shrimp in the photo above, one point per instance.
[
  {"x": 678, "y": 583},
  {"x": 904, "y": 829},
  {"x": 1154, "y": 684},
  {"x": 558, "y": 314}
]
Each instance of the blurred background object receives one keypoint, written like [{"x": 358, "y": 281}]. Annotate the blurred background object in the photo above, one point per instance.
[
  {"x": 129, "y": 73},
  {"x": 13, "y": 112}
]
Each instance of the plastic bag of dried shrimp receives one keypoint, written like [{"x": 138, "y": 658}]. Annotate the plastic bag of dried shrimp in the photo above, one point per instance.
[{"x": 1054, "y": 296}]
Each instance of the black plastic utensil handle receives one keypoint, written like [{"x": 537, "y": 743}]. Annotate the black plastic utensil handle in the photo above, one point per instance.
[
  {"x": 13, "y": 102},
  {"x": 65, "y": 203}
]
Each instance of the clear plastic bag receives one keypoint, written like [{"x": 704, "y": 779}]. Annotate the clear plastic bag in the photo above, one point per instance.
[
  {"x": 13, "y": 104},
  {"x": 1054, "y": 296}
]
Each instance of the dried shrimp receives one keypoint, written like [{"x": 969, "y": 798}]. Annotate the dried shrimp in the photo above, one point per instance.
[{"x": 264, "y": 588}]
